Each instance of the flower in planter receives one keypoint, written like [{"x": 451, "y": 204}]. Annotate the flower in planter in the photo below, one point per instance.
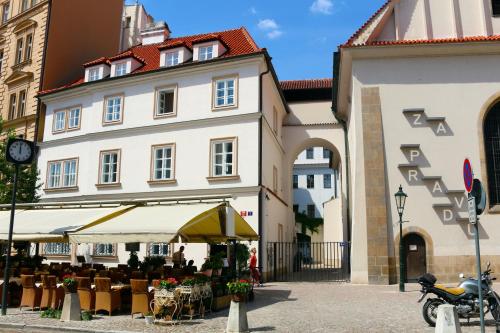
[
  {"x": 169, "y": 283},
  {"x": 69, "y": 283},
  {"x": 238, "y": 287},
  {"x": 188, "y": 282}
]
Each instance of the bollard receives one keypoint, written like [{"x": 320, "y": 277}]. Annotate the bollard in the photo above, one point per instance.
[
  {"x": 71, "y": 308},
  {"x": 237, "y": 321},
  {"x": 447, "y": 320}
]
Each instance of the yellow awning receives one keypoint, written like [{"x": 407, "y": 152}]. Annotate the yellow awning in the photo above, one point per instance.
[{"x": 194, "y": 222}]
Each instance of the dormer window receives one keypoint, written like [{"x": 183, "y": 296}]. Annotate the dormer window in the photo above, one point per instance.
[
  {"x": 206, "y": 52},
  {"x": 174, "y": 54},
  {"x": 121, "y": 69},
  {"x": 172, "y": 58},
  {"x": 94, "y": 74},
  {"x": 96, "y": 69}
]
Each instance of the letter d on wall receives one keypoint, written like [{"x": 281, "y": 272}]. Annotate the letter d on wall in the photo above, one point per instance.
[
  {"x": 230, "y": 227},
  {"x": 447, "y": 215}
]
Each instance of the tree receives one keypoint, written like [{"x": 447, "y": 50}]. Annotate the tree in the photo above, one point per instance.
[
  {"x": 308, "y": 223},
  {"x": 28, "y": 184}
]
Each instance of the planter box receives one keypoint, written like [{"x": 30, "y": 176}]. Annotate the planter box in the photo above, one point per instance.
[{"x": 221, "y": 303}]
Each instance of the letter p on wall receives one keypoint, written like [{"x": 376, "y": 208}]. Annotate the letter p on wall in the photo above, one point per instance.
[{"x": 414, "y": 153}]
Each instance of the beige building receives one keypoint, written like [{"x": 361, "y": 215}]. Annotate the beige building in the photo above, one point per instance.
[{"x": 42, "y": 45}]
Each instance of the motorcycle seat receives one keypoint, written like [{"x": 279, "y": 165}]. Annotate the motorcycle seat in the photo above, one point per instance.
[{"x": 453, "y": 291}]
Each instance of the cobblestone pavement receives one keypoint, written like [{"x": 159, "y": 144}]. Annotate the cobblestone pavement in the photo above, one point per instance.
[{"x": 283, "y": 307}]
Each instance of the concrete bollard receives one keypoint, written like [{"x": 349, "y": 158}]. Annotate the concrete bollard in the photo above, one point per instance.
[
  {"x": 71, "y": 308},
  {"x": 237, "y": 321},
  {"x": 447, "y": 320}
]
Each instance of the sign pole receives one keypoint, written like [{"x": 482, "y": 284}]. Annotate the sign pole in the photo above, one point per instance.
[
  {"x": 479, "y": 280},
  {"x": 9, "y": 244}
]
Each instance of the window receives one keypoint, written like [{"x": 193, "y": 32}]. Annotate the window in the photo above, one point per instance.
[
  {"x": 295, "y": 209},
  {"x": 94, "y": 74},
  {"x": 275, "y": 121},
  {"x": 495, "y": 4},
  {"x": 19, "y": 51},
  {"x": 159, "y": 249},
  {"x": 5, "y": 12},
  {"x": 206, "y": 52},
  {"x": 163, "y": 164},
  {"x": 105, "y": 250},
  {"x": 113, "y": 109},
  {"x": 1, "y": 61},
  {"x": 492, "y": 150},
  {"x": 310, "y": 181},
  {"x": 225, "y": 94},
  {"x": 29, "y": 47},
  {"x": 57, "y": 249},
  {"x": 326, "y": 153},
  {"x": 223, "y": 157},
  {"x": 327, "y": 181},
  {"x": 295, "y": 181},
  {"x": 121, "y": 69},
  {"x": 109, "y": 169},
  {"x": 309, "y": 153},
  {"x": 24, "y": 5},
  {"x": 74, "y": 118},
  {"x": 311, "y": 211},
  {"x": 62, "y": 174},
  {"x": 172, "y": 59},
  {"x": 59, "y": 121},
  {"x": 128, "y": 19},
  {"x": 165, "y": 101},
  {"x": 22, "y": 104},
  {"x": 33, "y": 2},
  {"x": 12, "y": 106},
  {"x": 275, "y": 179}
]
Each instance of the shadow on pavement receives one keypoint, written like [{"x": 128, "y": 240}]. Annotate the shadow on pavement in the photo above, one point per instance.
[{"x": 263, "y": 329}]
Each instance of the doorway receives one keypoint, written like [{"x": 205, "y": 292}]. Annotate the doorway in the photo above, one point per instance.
[{"x": 416, "y": 264}]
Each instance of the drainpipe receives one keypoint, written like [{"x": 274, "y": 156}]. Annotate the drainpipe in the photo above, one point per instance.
[
  {"x": 335, "y": 92},
  {"x": 261, "y": 190}
]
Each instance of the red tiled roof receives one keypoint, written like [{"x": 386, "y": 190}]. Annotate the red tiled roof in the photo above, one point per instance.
[
  {"x": 205, "y": 38},
  {"x": 101, "y": 60},
  {"x": 172, "y": 45},
  {"x": 367, "y": 23},
  {"x": 238, "y": 42},
  {"x": 126, "y": 54},
  {"x": 306, "y": 84},
  {"x": 430, "y": 41}
]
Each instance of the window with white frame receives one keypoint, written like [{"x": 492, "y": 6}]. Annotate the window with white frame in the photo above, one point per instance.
[
  {"x": 22, "y": 104},
  {"x": 310, "y": 181},
  {"x": 165, "y": 102},
  {"x": 309, "y": 153},
  {"x": 94, "y": 74},
  {"x": 225, "y": 92},
  {"x": 172, "y": 58},
  {"x": 327, "y": 180},
  {"x": 109, "y": 170},
  {"x": 74, "y": 118},
  {"x": 19, "y": 51},
  {"x": 120, "y": 69},
  {"x": 206, "y": 52},
  {"x": 113, "y": 109},
  {"x": 326, "y": 153},
  {"x": 57, "y": 249},
  {"x": 24, "y": 5},
  {"x": 163, "y": 162},
  {"x": 12, "y": 106},
  {"x": 29, "y": 47},
  {"x": 1, "y": 61},
  {"x": 223, "y": 157},
  {"x": 62, "y": 174},
  {"x": 159, "y": 249},
  {"x": 59, "y": 121},
  {"x": 105, "y": 250},
  {"x": 5, "y": 12}
]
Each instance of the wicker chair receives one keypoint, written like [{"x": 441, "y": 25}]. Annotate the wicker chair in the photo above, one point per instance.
[
  {"x": 137, "y": 275},
  {"x": 141, "y": 297},
  {"x": 106, "y": 298},
  {"x": 85, "y": 293},
  {"x": 48, "y": 292},
  {"x": 31, "y": 293}
]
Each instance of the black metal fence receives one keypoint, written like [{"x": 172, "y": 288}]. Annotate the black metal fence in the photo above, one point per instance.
[{"x": 306, "y": 261}]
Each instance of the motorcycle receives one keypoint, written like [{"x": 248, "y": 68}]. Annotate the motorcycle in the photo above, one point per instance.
[{"x": 465, "y": 297}]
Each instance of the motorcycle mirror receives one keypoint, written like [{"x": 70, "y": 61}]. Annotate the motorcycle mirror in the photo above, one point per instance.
[
  {"x": 488, "y": 264},
  {"x": 461, "y": 275}
]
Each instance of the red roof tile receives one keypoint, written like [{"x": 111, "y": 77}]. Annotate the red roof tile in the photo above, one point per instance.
[
  {"x": 238, "y": 42},
  {"x": 430, "y": 41},
  {"x": 101, "y": 60},
  {"x": 126, "y": 54},
  {"x": 306, "y": 84},
  {"x": 367, "y": 23},
  {"x": 172, "y": 45}
]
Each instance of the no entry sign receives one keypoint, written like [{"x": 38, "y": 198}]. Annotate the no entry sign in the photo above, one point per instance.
[{"x": 468, "y": 176}]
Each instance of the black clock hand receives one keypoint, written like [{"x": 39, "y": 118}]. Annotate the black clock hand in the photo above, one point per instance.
[{"x": 20, "y": 149}]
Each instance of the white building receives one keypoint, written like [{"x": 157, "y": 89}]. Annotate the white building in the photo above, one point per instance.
[
  {"x": 135, "y": 19},
  {"x": 193, "y": 116}
]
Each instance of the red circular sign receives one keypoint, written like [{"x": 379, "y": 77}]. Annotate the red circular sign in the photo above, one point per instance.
[{"x": 468, "y": 176}]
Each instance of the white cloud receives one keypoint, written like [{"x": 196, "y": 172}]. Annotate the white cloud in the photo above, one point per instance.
[
  {"x": 253, "y": 11},
  {"x": 267, "y": 24},
  {"x": 274, "y": 34},
  {"x": 322, "y": 7}
]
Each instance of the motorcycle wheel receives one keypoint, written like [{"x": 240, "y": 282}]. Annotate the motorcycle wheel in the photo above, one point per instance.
[
  {"x": 429, "y": 311},
  {"x": 494, "y": 309}
]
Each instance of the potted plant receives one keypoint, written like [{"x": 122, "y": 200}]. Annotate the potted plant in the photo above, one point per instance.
[
  {"x": 69, "y": 284},
  {"x": 149, "y": 318},
  {"x": 217, "y": 261},
  {"x": 188, "y": 282},
  {"x": 238, "y": 290},
  {"x": 207, "y": 267},
  {"x": 168, "y": 284},
  {"x": 133, "y": 261}
]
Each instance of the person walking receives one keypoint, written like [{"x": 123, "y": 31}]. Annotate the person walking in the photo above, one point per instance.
[{"x": 253, "y": 267}]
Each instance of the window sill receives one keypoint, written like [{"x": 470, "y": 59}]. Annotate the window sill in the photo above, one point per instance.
[
  {"x": 96, "y": 256},
  {"x": 21, "y": 64},
  {"x": 111, "y": 123},
  {"x": 224, "y": 108},
  {"x": 223, "y": 178},
  {"x": 168, "y": 115},
  {"x": 162, "y": 182},
  {"x": 61, "y": 189},
  {"x": 56, "y": 256},
  {"x": 112, "y": 185}
]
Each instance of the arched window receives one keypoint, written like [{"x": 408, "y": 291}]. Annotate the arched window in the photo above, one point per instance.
[{"x": 492, "y": 149}]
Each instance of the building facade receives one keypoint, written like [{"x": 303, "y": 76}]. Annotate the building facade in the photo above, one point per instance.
[{"x": 42, "y": 43}]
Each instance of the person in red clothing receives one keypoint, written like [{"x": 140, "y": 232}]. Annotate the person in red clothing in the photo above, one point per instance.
[{"x": 253, "y": 267}]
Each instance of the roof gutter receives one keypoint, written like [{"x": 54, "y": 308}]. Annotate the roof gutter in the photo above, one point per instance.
[{"x": 270, "y": 68}]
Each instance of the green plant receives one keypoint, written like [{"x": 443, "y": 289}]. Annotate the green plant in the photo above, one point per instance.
[
  {"x": 217, "y": 260},
  {"x": 133, "y": 261},
  {"x": 169, "y": 283},
  {"x": 242, "y": 256},
  {"x": 207, "y": 265},
  {"x": 188, "y": 282},
  {"x": 51, "y": 313},
  {"x": 152, "y": 263},
  {"x": 69, "y": 281},
  {"x": 149, "y": 314},
  {"x": 86, "y": 315},
  {"x": 238, "y": 287},
  {"x": 308, "y": 223},
  {"x": 201, "y": 279}
]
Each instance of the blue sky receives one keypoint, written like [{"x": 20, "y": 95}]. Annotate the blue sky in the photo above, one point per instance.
[{"x": 300, "y": 35}]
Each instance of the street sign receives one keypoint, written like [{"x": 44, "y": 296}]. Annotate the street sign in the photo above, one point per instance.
[
  {"x": 471, "y": 205},
  {"x": 468, "y": 176}
]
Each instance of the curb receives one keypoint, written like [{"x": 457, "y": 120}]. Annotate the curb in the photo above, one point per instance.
[{"x": 47, "y": 328}]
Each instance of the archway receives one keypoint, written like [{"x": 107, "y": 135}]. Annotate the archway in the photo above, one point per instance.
[{"x": 415, "y": 256}]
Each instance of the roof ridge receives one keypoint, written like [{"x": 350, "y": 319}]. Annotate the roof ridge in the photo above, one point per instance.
[
  {"x": 300, "y": 80},
  {"x": 249, "y": 38},
  {"x": 429, "y": 41},
  {"x": 367, "y": 23}
]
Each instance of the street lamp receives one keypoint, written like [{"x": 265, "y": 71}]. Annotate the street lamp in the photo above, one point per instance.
[{"x": 400, "y": 204}]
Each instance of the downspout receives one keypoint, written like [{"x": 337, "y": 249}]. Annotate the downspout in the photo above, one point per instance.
[
  {"x": 335, "y": 92},
  {"x": 261, "y": 190},
  {"x": 42, "y": 75}
]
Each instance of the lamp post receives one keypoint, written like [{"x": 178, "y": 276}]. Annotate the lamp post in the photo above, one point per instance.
[{"x": 400, "y": 204}]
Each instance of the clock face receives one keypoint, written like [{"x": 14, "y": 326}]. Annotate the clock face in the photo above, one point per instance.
[{"x": 20, "y": 151}]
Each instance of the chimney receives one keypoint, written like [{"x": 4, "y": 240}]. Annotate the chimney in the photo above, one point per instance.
[{"x": 156, "y": 32}]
